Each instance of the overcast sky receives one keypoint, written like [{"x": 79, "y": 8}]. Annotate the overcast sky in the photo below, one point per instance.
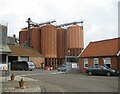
[{"x": 100, "y": 16}]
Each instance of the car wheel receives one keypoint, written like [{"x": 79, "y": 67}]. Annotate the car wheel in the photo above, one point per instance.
[
  {"x": 58, "y": 70},
  {"x": 108, "y": 73},
  {"x": 89, "y": 73},
  {"x": 65, "y": 70}
]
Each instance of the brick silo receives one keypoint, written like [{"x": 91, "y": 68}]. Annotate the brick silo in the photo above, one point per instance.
[
  {"x": 35, "y": 38},
  {"x": 22, "y": 36},
  {"x": 61, "y": 44},
  {"x": 49, "y": 44},
  {"x": 75, "y": 42}
]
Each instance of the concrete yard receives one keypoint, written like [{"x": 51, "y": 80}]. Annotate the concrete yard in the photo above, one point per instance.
[{"x": 53, "y": 81}]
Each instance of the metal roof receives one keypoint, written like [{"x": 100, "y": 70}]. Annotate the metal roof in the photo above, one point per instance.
[
  {"x": 19, "y": 50},
  {"x": 4, "y": 49}
]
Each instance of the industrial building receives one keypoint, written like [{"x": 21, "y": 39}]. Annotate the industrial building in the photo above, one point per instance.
[
  {"x": 3, "y": 34},
  {"x": 4, "y": 49},
  {"x": 54, "y": 42},
  {"x": 19, "y": 52}
]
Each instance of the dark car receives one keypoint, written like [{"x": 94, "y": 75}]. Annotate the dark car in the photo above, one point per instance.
[
  {"x": 22, "y": 65},
  {"x": 101, "y": 70}
]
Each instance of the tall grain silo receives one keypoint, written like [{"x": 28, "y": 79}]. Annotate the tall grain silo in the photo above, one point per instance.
[
  {"x": 61, "y": 43},
  {"x": 35, "y": 38},
  {"x": 75, "y": 42},
  {"x": 22, "y": 36},
  {"x": 49, "y": 44}
]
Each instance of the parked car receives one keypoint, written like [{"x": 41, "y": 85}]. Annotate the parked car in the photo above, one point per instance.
[
  {"x": 101, "y": 70},
  {"x": 62, "y": 68},
  {"x": 31, "y": 65},
  {"x": 22, "y": 65}
]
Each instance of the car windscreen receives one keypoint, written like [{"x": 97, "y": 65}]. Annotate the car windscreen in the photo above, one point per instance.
[
  {"x": 106, "y": 67},
  {"x": 30, "y": 63}
]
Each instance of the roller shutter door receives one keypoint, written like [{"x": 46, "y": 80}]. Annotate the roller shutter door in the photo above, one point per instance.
[{"x": 24, "y": 58}]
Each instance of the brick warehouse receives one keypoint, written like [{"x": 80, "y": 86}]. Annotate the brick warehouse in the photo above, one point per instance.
[
  {"x": 54, "y": 42},
  {"x": 101, "y": 52},
  {"x": 19, "y": 52}
]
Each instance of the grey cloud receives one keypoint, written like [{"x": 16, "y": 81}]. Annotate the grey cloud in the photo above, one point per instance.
[{"x": 100, "y": 17}]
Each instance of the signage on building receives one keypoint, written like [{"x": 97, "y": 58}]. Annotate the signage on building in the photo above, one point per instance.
[
  {"x": 74, "y": 65},
  {"x": 3, "y": 67}
]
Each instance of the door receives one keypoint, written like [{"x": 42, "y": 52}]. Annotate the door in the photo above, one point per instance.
[{"x": 12, "y": 58}]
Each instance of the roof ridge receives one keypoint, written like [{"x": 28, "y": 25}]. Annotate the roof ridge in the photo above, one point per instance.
[
  {"x": 101, "y": 48},
  {"x": 105, "y": 40}
]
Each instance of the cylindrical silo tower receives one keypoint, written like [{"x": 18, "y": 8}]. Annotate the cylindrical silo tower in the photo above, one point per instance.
[
  {"x": 35, "y": 38},
  {"x": 75, "y": 43},
  {"x": 22, "y": 36},
  {"x": 61, "y": 43},
  {"x": 49, "y": 44}
]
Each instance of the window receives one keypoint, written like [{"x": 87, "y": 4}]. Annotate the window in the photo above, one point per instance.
[
  {"x": 107, "y": 62},
  {"x": 96, "y": 62},
  {"x": 3, "y": 58},
  {"x": 85, "y": 63}
]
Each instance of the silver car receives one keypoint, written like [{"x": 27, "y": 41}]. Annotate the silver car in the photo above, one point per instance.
[
  {"x": 62, "y": 68},
  {"x": 31, "y": 65}
]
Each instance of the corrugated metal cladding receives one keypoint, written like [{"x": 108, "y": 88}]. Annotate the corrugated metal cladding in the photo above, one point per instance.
[
  {"x": 22, "y": 36},
  {"x": 49, "y": 45},
  {"x": 3, "y": 34},
  {"x": 49, "y": 41},
  {"x": 61, "y": 42},
  {"x": 35, "y": 36},
  {"x": 75, "y": 42},
  {"x": 55, "y": 43}
]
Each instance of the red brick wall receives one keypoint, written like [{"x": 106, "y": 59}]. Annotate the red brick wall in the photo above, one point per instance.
[
  {"x": 91, "y": 63},
  {"x": 82, "y": 65},
  {"x": 101, "y": 61},
  {"x": 37, "y": 61},
  {"x": 114, "y": 62}
]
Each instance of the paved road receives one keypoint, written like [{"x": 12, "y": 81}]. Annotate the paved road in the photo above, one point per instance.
[{"x": 55, "y": 81}]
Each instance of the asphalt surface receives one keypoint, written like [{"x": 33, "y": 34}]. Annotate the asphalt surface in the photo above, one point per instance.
[{"x": 53, "y": 81}]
